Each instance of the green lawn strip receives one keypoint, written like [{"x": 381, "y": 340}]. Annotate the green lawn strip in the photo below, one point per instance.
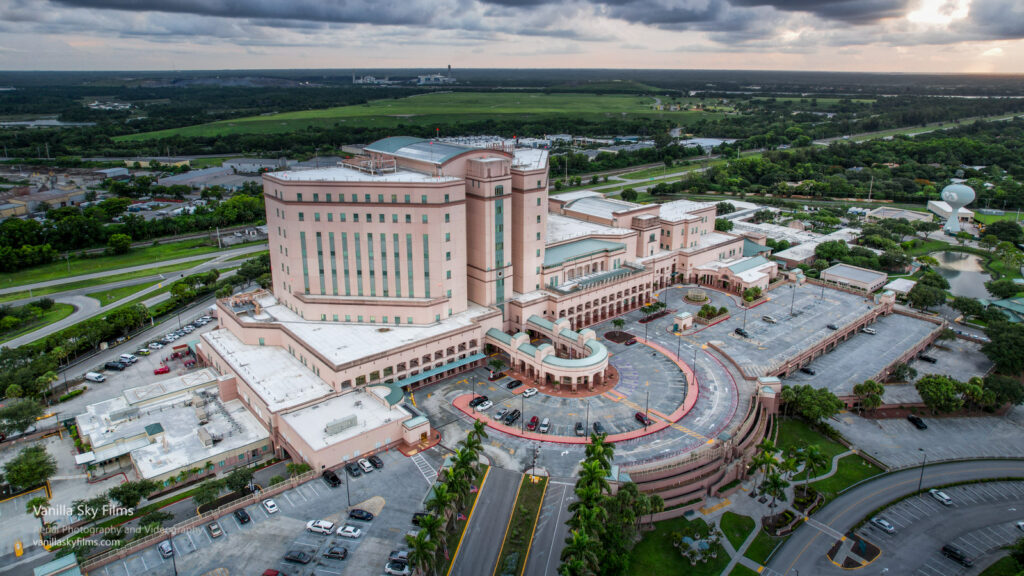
[
  {"x": 453, "y": 535},
  {"x": 113, "y": 295},
  {"x": 736, "y": 528},
  {"x": 100, "y": 281},
  {"x": 655, "y": 555},
  {"x": 990, "y": 218},
  {"x": 59, "y": 311},
  {"x": 850, "y": 470},
  {"x": 248, "y": 256},
  {"x": 762, "y": 547},
  {"x": 136, "y": 257},
  {"x": 520, "y": 528},
  {"x": 1005, "y": 566},
  {"x": 796, "y": 434},
  {"x": 741, "y": 570},
  {"x": 200, "y": 163}
]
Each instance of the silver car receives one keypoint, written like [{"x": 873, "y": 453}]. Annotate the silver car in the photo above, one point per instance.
[{"x": 884, "y": 525}]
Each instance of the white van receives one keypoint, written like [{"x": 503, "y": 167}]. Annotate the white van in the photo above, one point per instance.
[
  {"x": 867, "y": 330},
  {"x": 95, "y": 377},
  {"x": 545, "y": 425},
  {"x": 129, "y": 358}
]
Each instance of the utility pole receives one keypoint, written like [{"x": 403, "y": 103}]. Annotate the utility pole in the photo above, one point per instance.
[
  {"x": 923, "y": 463},
  {"x": 647, "y": 409}
]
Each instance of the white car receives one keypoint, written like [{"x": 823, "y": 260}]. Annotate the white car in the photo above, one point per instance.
[
  {"x": 529, "y": 392},
  {"x": 320, "y": 526},
  {"x": 397, "y": 568},
  {"x": 484, "y": 406},
  {"x": 270, "y": 506},
  {"x": 95, "y": 377},
  {"x": 1020, "y": 526},
  {"x": 155, "y": 345},
  {"x": 942, "y": 497},
  {"x": 349, "y": 532},
  {"x": 365, "y": 465}
]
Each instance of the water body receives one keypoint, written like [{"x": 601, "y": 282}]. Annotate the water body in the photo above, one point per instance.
[
  {"x": 964, "y": 273},
  {"x": 44, "y": 123}
]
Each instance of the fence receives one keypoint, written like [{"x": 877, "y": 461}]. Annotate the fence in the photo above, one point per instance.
[{"x": 182, "y": 527}]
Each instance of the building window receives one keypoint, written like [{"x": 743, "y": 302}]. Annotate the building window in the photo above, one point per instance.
[
  {"x": 380, "y": 198},
  {"x": 424, "y": 218},
  {"x": 423, "y": 199},
  {"x": 380, "y": 218},
  {"x": 499, "y": 190},
  {"x": 408, "y": 320},
  {"x": 302, "y": 217},
  {"x": 538, "y": 218},
  {"x": 408, "y": 218},
  {"x": 261, "y": 342},
  {"x": 394, "y": 218},
  {"x": 447, "y": 236},
  {"x": 446, "y": 197},
  {"x": 316, "y": 197},
  {"x": 341, "y": 217},
  {"x": 328, "y": 197},
  {"x": 407, "y": 200},
  {"x": 448, "y": 275},
  {"x": 355, "y": 217},
  {"x": 298, "y": 197},
  {"x": 316, "y": 216},
  {"x": 538, "y": 201},
  {"x": 447, "y": 218},
  {"x": 448, "y": 256},
  {"x": 330, "y": 216},
  {"x": 367, "y": 198},
  {"x": 538, "y": 235}
]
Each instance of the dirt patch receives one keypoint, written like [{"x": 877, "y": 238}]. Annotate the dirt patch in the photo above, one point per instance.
[{"x": 618, "y": 336}]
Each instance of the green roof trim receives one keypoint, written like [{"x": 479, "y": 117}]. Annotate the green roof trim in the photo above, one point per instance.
[
  {"x": 397, "y": 394},
  {"x": 419, "y": 149},
  {"x": 751, "y": 248},
  {"x": 154, "y": 429},
  {"x": 557, "y": 255},
  {"x": 741, "y": 267}
]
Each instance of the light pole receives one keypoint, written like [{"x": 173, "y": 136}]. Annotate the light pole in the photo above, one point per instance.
[
  {"x": 679, "y": 341},
  {"x": 923, "y": 462},
  {"x": 745, "y": 317},
  {"x": 348, "y": 495},
  {"x": 522, "y": 413},
  {"x": 647, "y": 409},
  {"x": 792, "y": 304},
  {"x": 588, "y": 418},
  {"x": 174, "y": 563}
]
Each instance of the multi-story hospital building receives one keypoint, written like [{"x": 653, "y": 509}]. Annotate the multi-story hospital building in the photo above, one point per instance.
[{"x": 396, "y": 268}]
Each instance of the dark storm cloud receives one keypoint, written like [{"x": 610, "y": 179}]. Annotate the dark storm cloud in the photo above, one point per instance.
[
  {"x": 849, "y": 11},
  {"x": 997, "y": 19}
]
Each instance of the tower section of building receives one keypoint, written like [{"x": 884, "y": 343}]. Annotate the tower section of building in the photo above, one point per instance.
[{"x": 529, "y": 219}]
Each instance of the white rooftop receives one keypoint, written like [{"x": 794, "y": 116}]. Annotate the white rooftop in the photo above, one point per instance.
[
  {"x": 311, "y": 422},
  {"x": 806, "y": 249},
  {"x": 679, "y": 209},
  {"x": 345, "y": 174},
  {"x": 943, "y": 206},
  {"x": 277, "y": 376},
  {"x": 175, "y": 384},
  {"x": 776, "y": 232},
  {"x": 342, "y": 343},
  {"x": 901, "y": 285},
  {"x": 562, "y": 228},
  {"x": 570, "y": 196},
  {"x": 748, "y": 275},
  {"x": 530, "y": 158},
  {"x": 601, "y": 207},
  {"x": 711, "y": 239}
]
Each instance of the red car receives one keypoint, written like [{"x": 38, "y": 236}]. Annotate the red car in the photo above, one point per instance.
[
  {"x": 162, "y": 370},
  {"x": 642, "y": 418},
  {"x": 533, "y": 424}
]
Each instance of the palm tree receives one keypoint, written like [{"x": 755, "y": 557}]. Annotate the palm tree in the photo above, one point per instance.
[
  {"x": 789, "y": 396},
  {"x": 813, "y": 460},
  {"x": 479, "y": 430},
  {"x": 440, "y": 503},
  {"x": 775, "y": 486},
  {"x": 43, "y": 383},
  {"x": 762, "y": 462},
  {"x": 789, "y": 466},
  {"x": 589, "y": 519},
  {"x": 496, "y": 365},
  {"x": 432, "y": 525},
  {"x": 618, "y": 323},
  {"x": 600, "y": 450},
  {"x": 592, "y": 474},
  {"x": 421, "y": 552},
  {"x": 579, "y": 555},
  {"x": 37, "y": 507},
  {"x": 471, "y": 445}
]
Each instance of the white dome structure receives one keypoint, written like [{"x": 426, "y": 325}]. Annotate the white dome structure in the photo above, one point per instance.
[{"x": 957, "y": 196}]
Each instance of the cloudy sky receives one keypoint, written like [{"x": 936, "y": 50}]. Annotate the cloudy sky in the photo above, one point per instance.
[{"x": 846, "y": 35}]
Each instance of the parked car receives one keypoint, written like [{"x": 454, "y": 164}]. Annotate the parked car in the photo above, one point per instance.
[
  {"x": 742, "y": 332},
  {"x": 336, "y": 553},
  {"x": 917, "y": 422},
  {"x": 808, "y": 370},
  {"x": 119, "y": 366},
  {"x": 365, "y": 465},
  {"x": 580, "y": 430},
  {"x": 529, "y": 392},
  {"x": 1020, "y": 526},
  {"x": 417, "y": 516},
  {"x": 155, "y": 345},
  {"x": 270, "y": 506},
  {"x": 376, "y": 461},
  {"x": 545, "y": 426},
  {"x": 957, "y": 555},
  {"x": 598, "y": 428},
  {"x": 477, "y": 401},
  {"x": 95, "y": 377},
  {"x": 214, "y": 529},
  {"x": 532, "y": 424},
  {"x": 331, "y": 478},
  {"x": 350, "y": 532},
  {"x": 941, "y": 496},
  {"x": 298, "y": 556},
  {"x": 512, "y": 416},
  {"x": 320, "y": 526},
  {"x": 166, "y": 549},
  {"x": 143, "y": 351},
  {"x": 163, "y": 369},
  {"x": 884, "y": 525},
  {"x": 832, "y": 327},
  {"x": 128, "y": 359},
  {"x": 484, "y": 406},
  {"x": 867, "y": 330},
  {"x": 501, "y": 413},
  {"x": 630, "y": 342},
  {"x": 642, "y": 418},
  {"x": 927, "y": 358},
  {"x": 360, "y": 514},
  {"x": 397, "y": 568},
  {"x": 242, "y": 516},
  {"x": 769, "y": 319},
  {"x": 513, "y": 384},
  {"x": 353, "y": 470},
  {"x": 399, "y": 556}
]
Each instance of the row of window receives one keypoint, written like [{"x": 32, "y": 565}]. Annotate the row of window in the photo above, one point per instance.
[
  {"x": 381, "y": 218},
  {"x": 367, "y": 198}
]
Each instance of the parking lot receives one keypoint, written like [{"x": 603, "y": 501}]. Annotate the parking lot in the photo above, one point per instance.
[
  {"x": 865, "y": 355},
  {"x": 897, "y": 444},
  {"x": 396, "y": 491},
  {"x": 802, "y": 315},
  {"x": 980, "y": 521},
  {"x": 959, "y": 359}
]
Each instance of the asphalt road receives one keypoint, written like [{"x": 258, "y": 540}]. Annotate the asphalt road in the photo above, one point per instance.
[
  {"x": 486, "y": 529},
  {"x": 804, "y": 552},
  {"x": 549, "y": 537}
]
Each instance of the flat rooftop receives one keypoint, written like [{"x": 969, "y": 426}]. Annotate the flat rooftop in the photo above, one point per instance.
[
  {"x": 561, "y": 228},
  {"x": 709, "y": 240},
  {"x": 854, "y": 273},
  {"x": 558, "y": 255},
  {"x": 601, "y": 207},
  {"x": 342, "y": 343},
  {"x": 277, "y": 376},
  {"x": 345, "y": 174},
  {"x": 681, "y": 209},
  {"x": 150, "y": 393},
  {"x": 530, "y": 158},
  {"x": 312, "y": 422}
]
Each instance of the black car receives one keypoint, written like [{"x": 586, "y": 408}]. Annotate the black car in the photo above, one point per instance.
[
  {"x": 360, "y": 514},
  {"x": 115, "y": 366},
  {"x": 917, "y": 422},
  {"x": 832, "y": 327},
  {"x": 477, "y": 401},
  {"x": 242, "y": 516},
  {"x": 417, "y": 516},
  {"x": 353, "y": 470},
  {"x": 742, "y": 332},
  {"x": 513, "y": 384},
  {"x": 336, "y": 553},
  {"x": 298, "y": 556},
  {"x": 927, "y": 358},
  {"x": 512, "y": 417},
  {"x": 331, "y": 478},
  {"x": 598, "y": 428},
  {"x": 376, "y": 461},
  {"x": 957, "y": 555},
  {"x": 580, "y": 430},
  {"x": 808, "y": 370}
]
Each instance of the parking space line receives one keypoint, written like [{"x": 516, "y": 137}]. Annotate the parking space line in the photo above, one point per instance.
[
  {"x": 190, "y": 541},
  {"x": 285, "y": 494},
  {"x": 313, "y": 488},
  {"x": 969, "y": 495},
  {"x": 126, "y": 570},
  {"x": 1001, "y": 489},
  {"x": 143, "y": 558},
  {"x": 923, "y": 509}
]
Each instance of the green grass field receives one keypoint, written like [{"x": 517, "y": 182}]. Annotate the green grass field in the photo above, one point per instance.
[
  {"x": 821, "y": 101},
  {"x": 990, "y": 218},
  {"x": 113, "y": 295},
  {"x": 741, "y": 570},
  {"x": 1005, "y": 566},
  {"x": 851, "y": 469},
  {"x": 654, "y": 555},
  {"x": 762, "y": 546},
  {"x": 98, "y": 281},
  {"x": 436, "y": 108},
  {"x": 736, "y": 528},
  {"x": 59, "y": 311},
  {"x": 796, "y": 434}
]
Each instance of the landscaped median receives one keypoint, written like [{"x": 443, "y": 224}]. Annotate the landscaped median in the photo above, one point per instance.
[
  {"x": 458, "y": 529},
  {"x": 519, "y": 532}
]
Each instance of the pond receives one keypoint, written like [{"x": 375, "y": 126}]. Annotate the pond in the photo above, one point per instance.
[{"x": 964, "y": 273}]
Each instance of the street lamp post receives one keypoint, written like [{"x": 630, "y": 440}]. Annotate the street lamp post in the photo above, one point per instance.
[
  {"x": 647, "y": 409},
  {"x": 792, "y": 304},
  {"x": 920, "y": 480},
  {"x": 522, "y": 412},
  {"x": 588, "y": 418},
  {"x": 174, "y": 563},
  {"x": 745, "y": 317}
]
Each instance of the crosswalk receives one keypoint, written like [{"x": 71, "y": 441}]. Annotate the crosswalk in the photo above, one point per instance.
[{"x": 428, "y": 472}]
